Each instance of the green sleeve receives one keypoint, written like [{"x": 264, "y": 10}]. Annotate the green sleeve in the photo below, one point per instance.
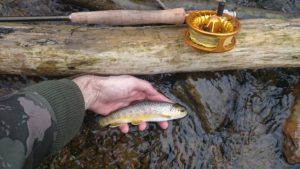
[
  {"x": 37, "y": 121},
  {"x": 66, "y": 100}
]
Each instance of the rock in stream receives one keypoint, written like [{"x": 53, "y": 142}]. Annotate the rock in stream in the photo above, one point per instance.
[{"x": 292, "y": 133}]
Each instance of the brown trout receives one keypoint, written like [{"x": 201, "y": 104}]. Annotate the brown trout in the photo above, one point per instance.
[{"x": 145, "y": 111}]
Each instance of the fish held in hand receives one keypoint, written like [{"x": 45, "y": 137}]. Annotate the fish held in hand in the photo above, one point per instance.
[{"x": 145, "y": 111}]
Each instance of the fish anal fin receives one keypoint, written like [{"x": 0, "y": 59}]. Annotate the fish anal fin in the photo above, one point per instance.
[
  {"x": 113, "y": 125},
  {"x": 136, "y": 122}
]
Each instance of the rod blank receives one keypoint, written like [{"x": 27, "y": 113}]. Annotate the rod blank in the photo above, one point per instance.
[{"x": 33, "y": 18}]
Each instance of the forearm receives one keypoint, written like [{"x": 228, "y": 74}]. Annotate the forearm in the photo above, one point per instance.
[{"x": 38, "y": 120}]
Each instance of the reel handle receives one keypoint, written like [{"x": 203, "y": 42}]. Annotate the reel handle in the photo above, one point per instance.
[{"x": 130, "y": 17}]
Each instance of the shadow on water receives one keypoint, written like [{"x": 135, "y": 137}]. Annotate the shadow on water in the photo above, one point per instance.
[{"x": 238, "y": 125}]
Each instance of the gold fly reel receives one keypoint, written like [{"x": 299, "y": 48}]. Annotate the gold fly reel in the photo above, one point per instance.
[{"x": 211, "y": 33}]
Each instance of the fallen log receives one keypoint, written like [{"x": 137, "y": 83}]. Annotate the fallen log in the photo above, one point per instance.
[{"x": 50, "y": 49}]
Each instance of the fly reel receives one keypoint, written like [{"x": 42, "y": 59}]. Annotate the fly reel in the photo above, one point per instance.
[{"x": 211, "y": 31}]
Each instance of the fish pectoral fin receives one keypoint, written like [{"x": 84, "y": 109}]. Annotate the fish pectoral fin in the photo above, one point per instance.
[
  {"x": 136, "y": 122},
  {"x": 165, "y": 116},
  {"x": 113, "y": 125}
]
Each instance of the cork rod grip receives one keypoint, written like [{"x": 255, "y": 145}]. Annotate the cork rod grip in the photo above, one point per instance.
[{"x": 130, "y": 17}]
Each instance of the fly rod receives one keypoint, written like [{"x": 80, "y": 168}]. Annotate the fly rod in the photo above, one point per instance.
[
  {"x": 113, "y": 17},
  {"x": 33, "y": 18}
]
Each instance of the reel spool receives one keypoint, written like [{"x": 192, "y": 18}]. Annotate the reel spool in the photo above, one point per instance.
[{"x": 211, "y": 31}]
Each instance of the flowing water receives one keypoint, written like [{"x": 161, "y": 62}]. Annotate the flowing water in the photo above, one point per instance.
[{"x": 252, "y": 106}]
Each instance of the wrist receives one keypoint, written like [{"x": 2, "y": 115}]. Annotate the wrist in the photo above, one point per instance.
[{"x": 89, "y": 88}]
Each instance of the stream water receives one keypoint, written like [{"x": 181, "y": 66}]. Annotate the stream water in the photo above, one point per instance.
[
  {"x": 253, "y": 106},
  {"x": 247, "y": 110}
]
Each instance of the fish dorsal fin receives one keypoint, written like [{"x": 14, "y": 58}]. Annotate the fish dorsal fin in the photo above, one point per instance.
[{"x": 136, "y": 122}]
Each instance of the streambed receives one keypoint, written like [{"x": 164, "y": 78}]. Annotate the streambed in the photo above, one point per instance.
[{"x": 245, "y": 112}]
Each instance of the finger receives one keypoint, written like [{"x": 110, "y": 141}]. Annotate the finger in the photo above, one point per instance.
[
  {"x": 150, "y": 92},
  {"x": 145, "y": 86},
  {"x": 159, "y": 97},
  {"x": 124, "y": 128},
  {"x": 137, "y": 97},
  {"x": 163, "y": 124},
  {"x": 142, "y": 126}
]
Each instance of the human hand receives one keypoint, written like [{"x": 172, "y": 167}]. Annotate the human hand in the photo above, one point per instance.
[{"x": 104, "y": 95}]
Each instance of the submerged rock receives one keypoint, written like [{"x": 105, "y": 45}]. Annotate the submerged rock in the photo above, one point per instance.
[
  {"x": 258, "y": 153},
  {"x": 218, "y": 160},
  {"x": 292, "y": 134},
  {"x": 208, "y": 98}
]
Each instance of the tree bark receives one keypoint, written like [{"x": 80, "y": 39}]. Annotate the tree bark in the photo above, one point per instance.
[{"x": 50, "y": 49}]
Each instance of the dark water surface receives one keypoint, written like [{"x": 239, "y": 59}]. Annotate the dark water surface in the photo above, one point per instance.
[{"x": 245, "y": 112}]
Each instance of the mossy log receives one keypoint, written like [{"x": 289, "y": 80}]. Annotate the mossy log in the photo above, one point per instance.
[{"x": 50, "y": 49}]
